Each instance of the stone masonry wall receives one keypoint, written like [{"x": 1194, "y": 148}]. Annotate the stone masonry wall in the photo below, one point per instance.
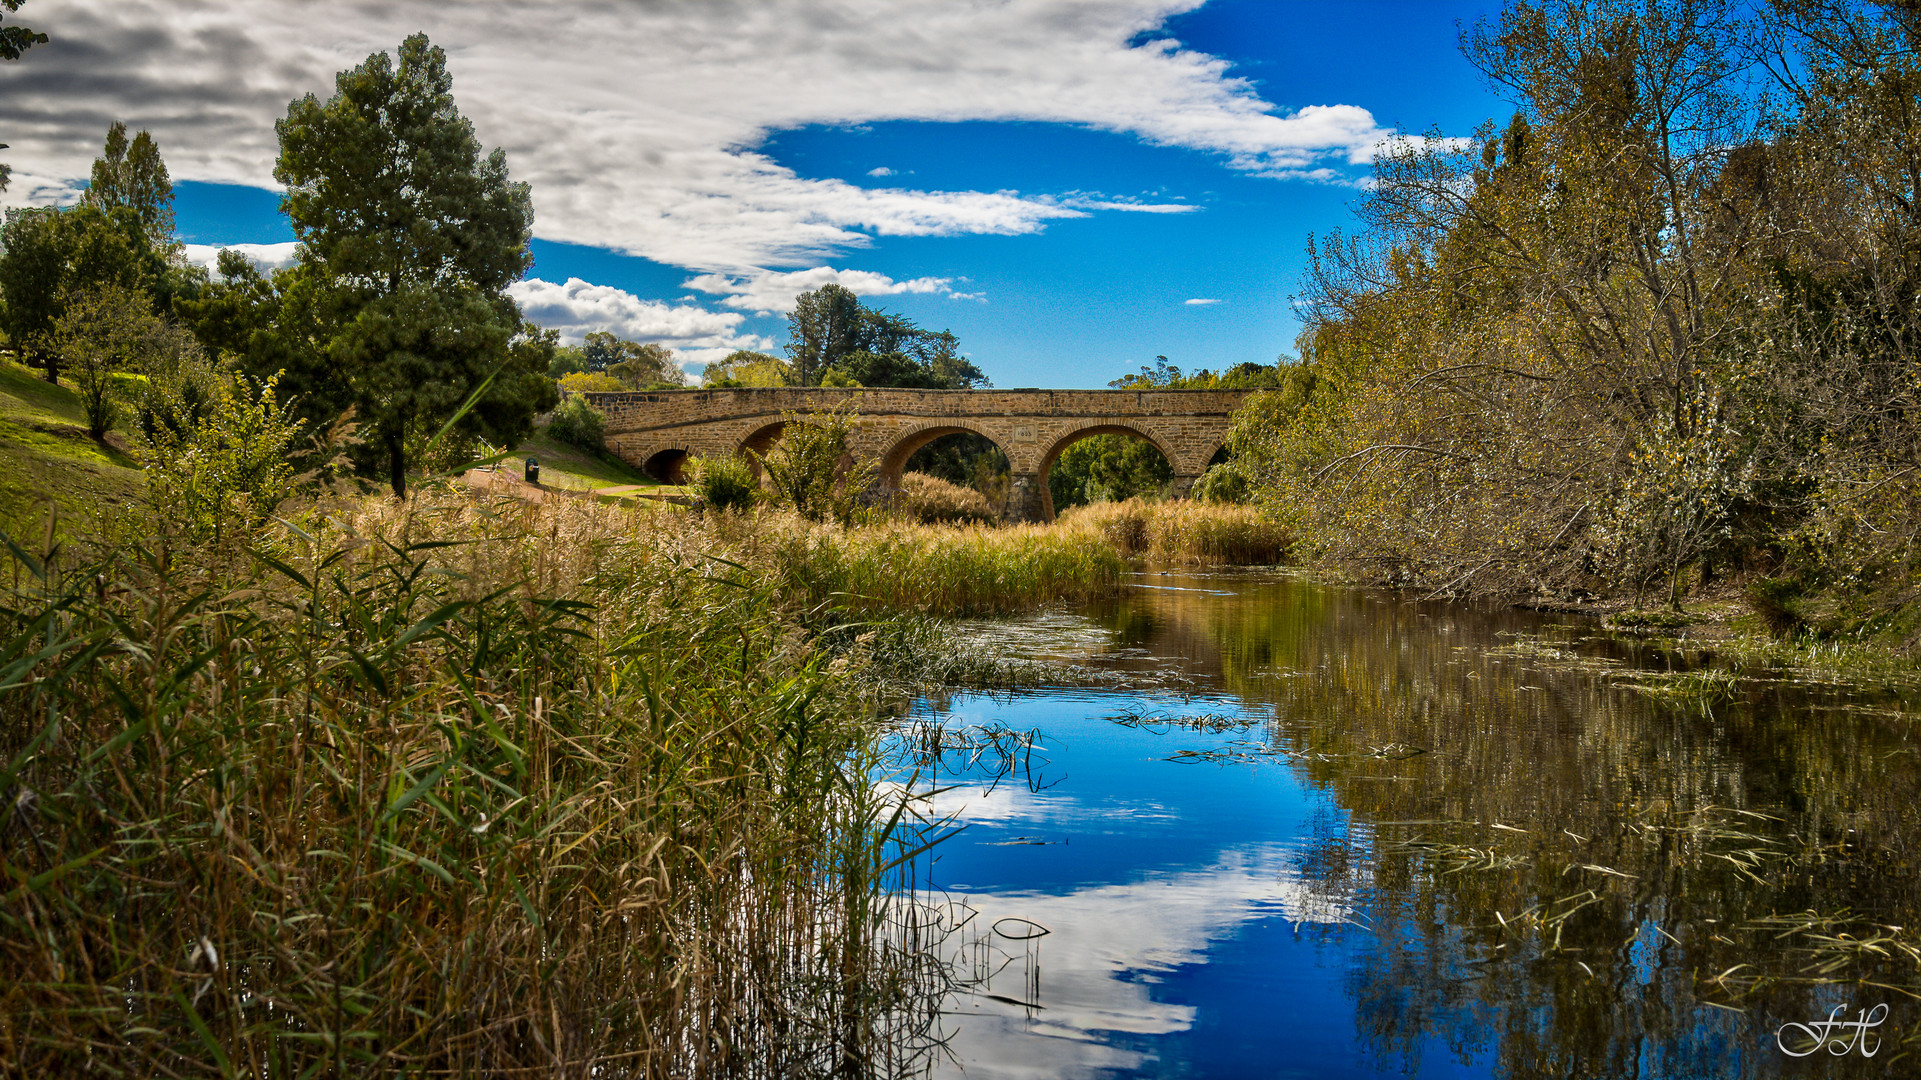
[{"x": 1030, "y": 426}]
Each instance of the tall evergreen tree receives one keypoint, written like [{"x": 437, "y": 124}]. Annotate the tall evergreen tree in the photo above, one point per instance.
[
  {"x": 129, "y": 174},
  {"x": 409, "y": 240}
]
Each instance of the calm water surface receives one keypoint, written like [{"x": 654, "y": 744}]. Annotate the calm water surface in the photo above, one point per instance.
[{"x": 1328, "y": 832}]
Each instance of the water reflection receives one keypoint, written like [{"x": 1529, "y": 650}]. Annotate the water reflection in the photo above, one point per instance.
[{"x": 1382, "y": 837}]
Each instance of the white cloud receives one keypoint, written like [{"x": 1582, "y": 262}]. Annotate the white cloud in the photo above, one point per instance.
[
  {"x": 637, "y": 125},
  {"x": 696, "y": 335},
  {"x": 264, "y": 256},
  {"x": 1200, "y": 301},
  {"x": 1109, "y": 946},
  {"x": 881, "y": 171},
  {"x": 773, "y": 290}
]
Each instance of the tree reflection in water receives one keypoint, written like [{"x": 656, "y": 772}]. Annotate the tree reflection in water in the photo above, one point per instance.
[{"x": 1573, "y": 861}]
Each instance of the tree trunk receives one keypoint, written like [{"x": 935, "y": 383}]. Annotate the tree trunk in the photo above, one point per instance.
[{"x": 397, "y": 464}]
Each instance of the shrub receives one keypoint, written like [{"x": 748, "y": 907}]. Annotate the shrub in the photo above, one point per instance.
[
  {"x": 579, "y": 424},
  {"x": 224, "y": 475},
  {"x": 809, "y": 468},
  {"x": 724, "y": 483},
  {"x": 1225, "y": 483},
  {"x": 1776, "y": 601},
  {"x": 591, "y": 382},
  {"x": 931, "y": 500}
]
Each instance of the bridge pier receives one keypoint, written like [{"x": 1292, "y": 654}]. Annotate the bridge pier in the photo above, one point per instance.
[
  {"x": 1183, "y": 484},
  {"x": 1024, "y": 498}
]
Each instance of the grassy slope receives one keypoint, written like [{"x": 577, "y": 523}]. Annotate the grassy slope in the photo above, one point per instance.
[
  {"x": 564, "y": 466},
  {"x": 46, "y": 455}
]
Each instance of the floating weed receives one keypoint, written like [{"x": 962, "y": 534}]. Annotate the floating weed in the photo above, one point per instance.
[
  {"x": 1211, "y": 722},
  {"x": 1711, "y": 684},
  {"x": 1832, "y": 949}
]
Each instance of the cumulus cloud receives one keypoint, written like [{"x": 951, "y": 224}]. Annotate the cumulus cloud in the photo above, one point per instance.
[
  {"x": 638, "y": 125},
  {"x": 264, "y": 256},
  {"x": 1200, "y": 301},
  {"x": 881, "y": 171},
  {"x": 766, "y": 291},
  {"x": 577, "y": 308}
]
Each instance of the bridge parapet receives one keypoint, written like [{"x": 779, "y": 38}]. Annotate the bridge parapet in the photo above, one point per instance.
[{"x": 656, "y": 430}]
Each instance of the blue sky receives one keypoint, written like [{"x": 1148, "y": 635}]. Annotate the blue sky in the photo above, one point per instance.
[{"x": 1053, "y": 180}]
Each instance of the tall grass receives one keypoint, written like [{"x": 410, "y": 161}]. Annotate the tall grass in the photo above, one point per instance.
[
  {"x": 453, "y": 790},
  {"x": 976, "y": 570},
  {"x": 1183, "y": 532},
  {"x": 930, "y": 569}
]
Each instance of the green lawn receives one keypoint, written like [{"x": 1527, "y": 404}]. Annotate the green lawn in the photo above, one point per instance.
[
  {"x": 47, "y": 457},
  {"x": 571, "y": 468}
]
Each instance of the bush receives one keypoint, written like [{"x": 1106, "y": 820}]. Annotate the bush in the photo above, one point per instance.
[
  {"x": 579, "y": 424},
  {"x": 591, "y": 382},
  {"x": 931, "y": 500},
  {"x": 1225, "y": 484},
  {"x": 1776, "y": 601},
  {"x": 224, "y": 475},
  {"x": 724, "y": 483},
  {"x": 808, "y": 469}
]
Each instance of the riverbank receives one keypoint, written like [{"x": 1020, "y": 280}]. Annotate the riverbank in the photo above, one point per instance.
[
  {"x": 461, "y": 786},
  {"x": 362, "y": 790}
]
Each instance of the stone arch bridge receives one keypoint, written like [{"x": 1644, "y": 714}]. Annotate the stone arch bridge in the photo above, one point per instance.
[{"x": 659, "y": 430}]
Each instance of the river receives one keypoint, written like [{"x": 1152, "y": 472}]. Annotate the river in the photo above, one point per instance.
[{"x": 1302, "y": 830}]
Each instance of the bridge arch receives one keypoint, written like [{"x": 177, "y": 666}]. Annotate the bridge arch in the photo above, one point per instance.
[
  {"x": 1105, "y": 427},
  {"x": 1026, "y": 424},
  {"x": 893, "y": 459},
  {"x": 668, "y": 466}
]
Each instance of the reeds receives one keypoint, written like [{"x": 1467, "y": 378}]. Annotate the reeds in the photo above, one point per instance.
[
  {"x": 930, "y": 569},
  {"x": 449, "y": 790},
  {"x": 1184, "y": 532}
]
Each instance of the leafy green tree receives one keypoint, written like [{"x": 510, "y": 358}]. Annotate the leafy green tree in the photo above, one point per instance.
[
  {"x": 50, "y": 255},
  {"x": 1107, "y": 468},
  {"x": 835, "y": 340},
  {"x": 14, "y": 40},
  {"x": 744, "y": 367},
  {"x": 824, "y": 326},
  {"x": 130, "y": 175},
  {"x": 638, "y": 366},
  {"x": 409, "y": 240},
  {"x": 810, "y": 468},
  {"x": 103, "y": 330}
]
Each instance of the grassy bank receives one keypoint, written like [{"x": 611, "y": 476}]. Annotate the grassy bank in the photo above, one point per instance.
[
  {"x": 449, "y": 789},
  {"x": 984, "y": 570},
  {"x": 48, "y": 461}
]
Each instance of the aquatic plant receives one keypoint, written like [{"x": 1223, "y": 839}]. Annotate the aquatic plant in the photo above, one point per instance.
[
  {"x": 1185, "y": 532},
  {"x": 449, "y": 788}
]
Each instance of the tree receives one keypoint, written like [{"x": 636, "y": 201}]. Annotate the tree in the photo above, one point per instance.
[
  {"x": 130, "y": 175},
  {"x": 744, "y": 367},
  {"x": 50, "y": 255},
  {"x": 14, "y": 40},
  {"x": 103, "y": 330},
  {"x": 408, "y": 241},
  {"x": 824, "y": 325},
  {"x": 835, "y": 340}
]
